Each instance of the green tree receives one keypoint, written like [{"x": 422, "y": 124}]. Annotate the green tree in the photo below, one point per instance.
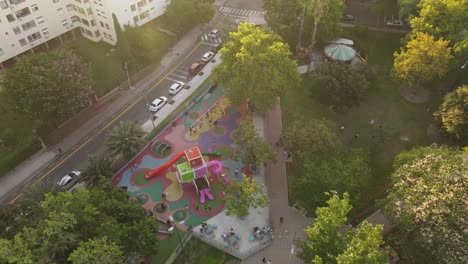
[
  {"x": 444, "y": 19},
  {"x": 408, "y": 8},
  {"x": 49, "y": 85},
  {"x": 453, "y": 113},
  {"x": 429, "y": 199},
  {"x": 251, "y": 147},
  {"x": 122, "y": 41},
  {"x": 182, "y": 15},
  {"x": 255, "y": 65},
  {"x": 125, "y": 139},
  {"x": 98, "y": 166},
  {"x": 424, "y": 59},
  {"x": 310, "y": 139},
  {"x": 328, "y": 241},
  {"x": 240, "y": 196},
  {"x": 340, "y": 85},
  {"x": 146, "y": 44},
  {"x": 347, "y": 172},
  {"x": 97, "y": 251},
  {"x": 69, "y": 222}
]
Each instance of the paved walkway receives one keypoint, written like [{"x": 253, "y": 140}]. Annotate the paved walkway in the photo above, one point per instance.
[{"x": 282, "y": 250}]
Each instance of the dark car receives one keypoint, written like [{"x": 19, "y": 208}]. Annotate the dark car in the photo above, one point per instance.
[
  {"x": 196, "y": 67},
  {"x": 216, "y": 47}
]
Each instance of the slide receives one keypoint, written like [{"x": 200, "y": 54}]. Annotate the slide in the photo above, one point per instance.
[
  {"x": 217, "y": 166},
  {"x": 202, "y": 196},
  {"x": 209, "y": 194},
  {"x": 226, "y": 180},
  {"x": 165, "y": 166}
]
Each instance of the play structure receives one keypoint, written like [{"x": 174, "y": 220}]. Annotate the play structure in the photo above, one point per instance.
[{"x": 192, "y": 169}]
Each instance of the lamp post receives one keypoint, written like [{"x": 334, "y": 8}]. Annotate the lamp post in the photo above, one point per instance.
[
  {"x": 178, "y": 237},
  {"x": 43, "y": 145},
  {"x": 149, "y": 111}
]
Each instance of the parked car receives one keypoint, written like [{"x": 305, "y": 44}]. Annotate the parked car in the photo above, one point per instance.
[
  {"x": 216, "y": 47},
  {"x": 394, "y": 23},
  {"x": 348, "y": 17},
  {"x": 214, "y": 33},
  {"x": 69, "y": 180},
  {"x": 158, "y": 103},
  {"x": 176, "y": 87},
  {"x": 207, "y": 56},
  {"x": 196, "y": 67}
]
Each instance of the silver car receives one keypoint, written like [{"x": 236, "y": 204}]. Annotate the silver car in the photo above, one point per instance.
[{"x": 69, "y": 180}]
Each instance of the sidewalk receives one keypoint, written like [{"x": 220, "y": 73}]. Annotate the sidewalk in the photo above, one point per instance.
[
  {"x": 282, "y": 250},
  {"x": 13, "y": 180}
]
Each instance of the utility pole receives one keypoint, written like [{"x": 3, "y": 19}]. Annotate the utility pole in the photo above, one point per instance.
[{"x": 128, "y": 76}]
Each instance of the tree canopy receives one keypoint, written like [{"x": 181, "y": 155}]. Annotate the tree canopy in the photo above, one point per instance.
[
  {"x": 145, "y": 45},
  {"x": 284, "y": 17},
  {"x": 340, "y": 85},
  {"x": 255, "y": 65},
  {"x": 453, "y": 113},
  {"x": 329, "y": 241},
  {"x": 98, "y": 167},
  {"x": 125, "y": 139},
  {"x": 241, "y": 196},
  {"x": 429, "y": 198},
  {"x": 311, "y": 138},
  {"x": 424, "y": 59},
  {"x": 251, "y": 147},
  {"x": 67, "y": 225},
  {"x": 48, "y": 85},
  {"x": 408, "y": 8},
  {"x": 346, "y": 172},
  {"x": 182, "y": 15},
  {"x": 444, "y": 19}
]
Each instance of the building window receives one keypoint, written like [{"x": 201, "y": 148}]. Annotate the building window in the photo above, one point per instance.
[
  {"x": 75, "y": 19},
  {"x": 3, "y": 4},
  {"x": 45, "y": 31},
  {"x": 10, "y": 18},
  {"x": 102, "y": 24},
  {"x": 93, "y": 22},
  {"x": 141, "y": 3},
  {"x": 34, "y": 8},
  {"x": 22, "y": 13},
  {"x": 15, "y": 2},
  {"x": 97, "y": 34},
  {"x": 79, "y": 1},
  {"x": 136, "y": 19},
  {"x": 55, "y": 1},
  {"x": 89, "y": 11},
  {"x": 110, "y": 37},
  {"x": 144, "y": 15},
  {"x": 34, "y": 36},
  {"x": 107, "y": 26},
  {"x": 28, "y": 25},
  {"x": 2, "y": 52},
  {"x": 84, "y": 21},
  {"x": 65, "y": 23},
  {"x": 133, "y": 8},
  {"x": 105, "y": 35},
  {"x": 40, "y": 20},
  {"x": 17, "y": 30},
  {"x": 70, "y": 8},
  {"x": 60, "y": 11},
  {"x": 23, "y": 42}
]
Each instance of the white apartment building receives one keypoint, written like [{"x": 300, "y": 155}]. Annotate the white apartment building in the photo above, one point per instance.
[{"x": 26, "y": 24}]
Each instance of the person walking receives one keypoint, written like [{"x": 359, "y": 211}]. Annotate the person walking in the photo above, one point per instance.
[
  {"x": 264, "y": 260},
  {"x": 281, "y": 220}
]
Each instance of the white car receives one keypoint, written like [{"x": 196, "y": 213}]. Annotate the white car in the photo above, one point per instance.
[
  {"x": 69, "y": 180},
  {"x": 158, "y": 103},
  {"x": 214, "y": 33},
  {"x": 207, "y": 56},
  {"x": 176, "y": 87}
]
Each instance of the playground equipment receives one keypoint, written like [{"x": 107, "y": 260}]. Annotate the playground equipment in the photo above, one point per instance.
[{"x": 194, "y": 167}]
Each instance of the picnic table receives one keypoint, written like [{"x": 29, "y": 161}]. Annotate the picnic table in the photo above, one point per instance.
[
  {"x": 230, "y": 239},
  {"x": 209, "y": 229}
]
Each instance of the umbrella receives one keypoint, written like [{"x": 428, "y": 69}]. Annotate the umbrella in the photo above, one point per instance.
[{"x": 339, "y": 52}]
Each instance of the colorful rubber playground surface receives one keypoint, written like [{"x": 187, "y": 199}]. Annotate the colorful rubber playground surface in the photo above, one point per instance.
[{"x": 213, "y": 121}]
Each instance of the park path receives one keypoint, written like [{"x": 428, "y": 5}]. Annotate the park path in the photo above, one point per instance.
[{"x": 282, "y": 249}]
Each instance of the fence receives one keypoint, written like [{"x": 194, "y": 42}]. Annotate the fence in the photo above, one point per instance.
[{"x": 179, "y": 248}]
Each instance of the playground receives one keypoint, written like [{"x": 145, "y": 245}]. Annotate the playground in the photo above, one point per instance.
[{"x": 180, "y": 176}]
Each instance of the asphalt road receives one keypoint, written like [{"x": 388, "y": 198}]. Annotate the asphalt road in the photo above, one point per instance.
[{"x": 138, "y": 110}]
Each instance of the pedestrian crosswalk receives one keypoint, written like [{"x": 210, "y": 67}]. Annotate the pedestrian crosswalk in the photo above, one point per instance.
[
  {"x": 237, "y": 12},
  {"x": 209, "y": 39}
]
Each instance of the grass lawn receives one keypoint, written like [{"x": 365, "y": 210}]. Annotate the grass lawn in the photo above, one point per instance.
[
  {"x": 398, "y": 125},
  {"x": 197, "y": 251},
  {"x": 166, "y": 247},
  {"x": 108, "y": 71}
]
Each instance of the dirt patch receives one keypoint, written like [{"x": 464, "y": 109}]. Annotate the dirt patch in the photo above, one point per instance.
[{"x": 414, "y": 94}]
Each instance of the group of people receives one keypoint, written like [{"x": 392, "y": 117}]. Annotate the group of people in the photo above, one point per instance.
[
  {"x": 204, "y": 227},
  {"x": 231, "y": 233}
]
